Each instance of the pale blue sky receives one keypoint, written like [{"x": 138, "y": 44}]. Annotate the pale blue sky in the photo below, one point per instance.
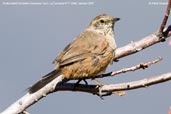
[{"x": 32, "y": 35}]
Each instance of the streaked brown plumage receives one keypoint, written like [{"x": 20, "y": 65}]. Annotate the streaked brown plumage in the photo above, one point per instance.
[{"x": 87, "y": 55}]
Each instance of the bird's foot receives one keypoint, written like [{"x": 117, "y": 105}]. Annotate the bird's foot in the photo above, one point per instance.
[
  {"x": 99, "y": 85},
  {"x": 77, "y": 83}
]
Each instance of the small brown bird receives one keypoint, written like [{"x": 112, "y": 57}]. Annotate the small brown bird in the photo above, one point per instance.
[{"x": 87, "y": 55}]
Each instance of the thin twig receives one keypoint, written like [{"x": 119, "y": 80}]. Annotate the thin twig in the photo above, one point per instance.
[
  {"x": 138, "y": 46},
  {"x": 139, "y": 66},
  {"x": 162, "y": 26}
]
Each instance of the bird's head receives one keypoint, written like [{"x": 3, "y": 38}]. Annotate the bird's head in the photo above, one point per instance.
[{"x": 103, "y": 22}]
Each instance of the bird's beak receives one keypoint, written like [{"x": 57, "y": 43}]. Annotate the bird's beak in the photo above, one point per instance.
[{"x": 116, "y": 19}]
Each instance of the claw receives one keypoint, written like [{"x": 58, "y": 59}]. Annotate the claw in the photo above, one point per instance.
[{"x": 99, "y": 85}]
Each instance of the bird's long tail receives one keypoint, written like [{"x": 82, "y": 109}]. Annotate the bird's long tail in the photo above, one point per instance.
[{"x": 44, "y": 81}]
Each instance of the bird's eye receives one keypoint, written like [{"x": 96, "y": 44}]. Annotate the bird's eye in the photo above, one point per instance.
[{"x": 102, "y": 21}]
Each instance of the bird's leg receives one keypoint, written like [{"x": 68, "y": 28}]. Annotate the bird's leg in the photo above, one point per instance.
[
  {"x": 86, "y": 83},
  {"x": 77, "y": 83}
]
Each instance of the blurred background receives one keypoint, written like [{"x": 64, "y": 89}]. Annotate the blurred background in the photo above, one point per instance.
[{"x": 33, "y": 32}]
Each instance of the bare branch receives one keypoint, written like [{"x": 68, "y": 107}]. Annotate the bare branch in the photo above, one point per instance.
[
  {"x": 137, "y": 84},
  {"x": 150, "y": 40},
  {"x": 112, "y": 88},
  {"x": 139, "y": 66},
  {"x": 27, "y": 100},
  {"x": 162, "y": 26},
  {"x": 137, "y": 46}
]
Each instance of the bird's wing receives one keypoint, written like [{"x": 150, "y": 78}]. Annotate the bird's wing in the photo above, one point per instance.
[{"x": 88, "y": 43}]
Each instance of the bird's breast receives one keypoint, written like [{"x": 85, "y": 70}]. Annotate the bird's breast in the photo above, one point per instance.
[{"x": 111, "y": 40}]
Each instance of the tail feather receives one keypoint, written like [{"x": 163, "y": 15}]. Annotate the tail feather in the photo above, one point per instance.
[{"x": 44, "y": 81}]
